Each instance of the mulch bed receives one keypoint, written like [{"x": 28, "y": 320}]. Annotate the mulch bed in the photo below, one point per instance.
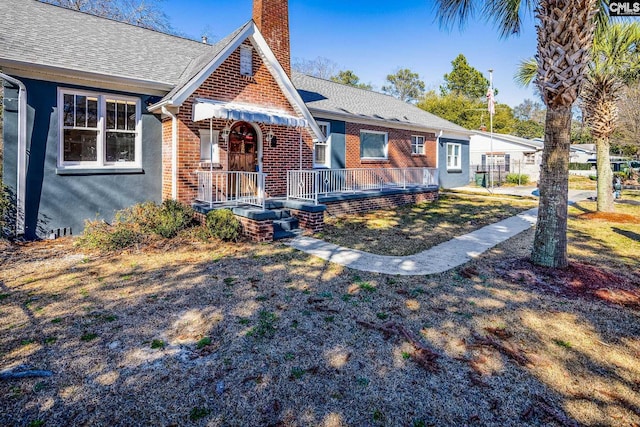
[
  {"x": 610, "y": 217},
  {"x": 577, "y": 280}
]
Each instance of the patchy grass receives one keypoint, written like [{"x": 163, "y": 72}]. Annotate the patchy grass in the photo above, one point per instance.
[
  {"x": 496, "y": 342},
  {"x": 411, "y": 229},
  {"x": 577, "y": 182}
]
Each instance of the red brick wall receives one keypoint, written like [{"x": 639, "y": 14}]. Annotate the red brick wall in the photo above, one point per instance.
[
  {"x": 398, "y": 148},
  {"x": 272, "y": 19},
  {"x": 226, "y": 84},
  {"x": 257, "y": 231},
  {"x": 311, "y": 221},
  {"x": 382, "y": 202}
]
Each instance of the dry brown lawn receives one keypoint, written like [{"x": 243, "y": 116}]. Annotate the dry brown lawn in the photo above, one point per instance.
[{"x": 257, "y": 335}]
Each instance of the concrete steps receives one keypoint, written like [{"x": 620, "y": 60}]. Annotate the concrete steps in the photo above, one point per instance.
[{"x": 284, "y": 226}]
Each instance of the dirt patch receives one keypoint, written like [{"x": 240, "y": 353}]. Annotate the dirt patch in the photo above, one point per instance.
[
  {"x": 578, "y": 280},
  {"x": 620, "y": 218}
]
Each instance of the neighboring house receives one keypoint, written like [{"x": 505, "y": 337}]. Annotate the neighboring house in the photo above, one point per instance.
[
  {"x": 100, "y": 115},
  {"x": 582, "y": 153},
  {"x": 507, "y": 154}
]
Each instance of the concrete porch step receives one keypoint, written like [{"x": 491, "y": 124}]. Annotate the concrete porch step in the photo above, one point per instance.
[
  {"x": 287, "y": 224},
  {"x": 283, "y": 234}
]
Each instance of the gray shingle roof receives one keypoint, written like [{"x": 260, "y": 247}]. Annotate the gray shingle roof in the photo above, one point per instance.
[
  {"x": 514, "y": 139},
  {"x": 326, "y": 96},
  {"x": 42, "y": 34}
]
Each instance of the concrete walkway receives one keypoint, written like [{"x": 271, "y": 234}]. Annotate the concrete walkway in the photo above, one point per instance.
[{"x": 438, "y": 259}]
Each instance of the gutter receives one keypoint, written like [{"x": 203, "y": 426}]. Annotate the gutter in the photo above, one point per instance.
[
  {"x": 174, "y": 152},
  {"x": 21, "y": 183}
]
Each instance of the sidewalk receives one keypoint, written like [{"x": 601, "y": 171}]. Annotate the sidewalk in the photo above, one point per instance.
[{"x": 438, "y": 259}]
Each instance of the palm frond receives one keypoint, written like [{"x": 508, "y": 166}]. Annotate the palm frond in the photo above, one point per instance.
[{"x": 526, "y": 72}]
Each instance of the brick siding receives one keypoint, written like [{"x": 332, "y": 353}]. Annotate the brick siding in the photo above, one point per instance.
[
  {"x": 398, "y": 148},
  {"x": 226, "y": 84},
  {"x": 353, "y": 206},
  {"x": 309, "y": 221},
  {"x": 272, "y": 19}
]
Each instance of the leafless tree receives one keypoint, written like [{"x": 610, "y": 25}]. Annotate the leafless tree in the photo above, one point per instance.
[
  {"x": 320, "y": 67},
  {"x": 143, "y": 13}
]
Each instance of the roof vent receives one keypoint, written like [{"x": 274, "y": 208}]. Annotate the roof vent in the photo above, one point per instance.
[{"x": 205, "y": 39}]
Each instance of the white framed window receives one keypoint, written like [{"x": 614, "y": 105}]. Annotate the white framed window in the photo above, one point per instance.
[
  {"x": 417, "y": 144},
  {"x": 453, "y": 156},
  {"x": 246, "y": 60},
  {"x": 373, "y": 144},
  {"x": 322, "y": 150},
  {"x": 98, "y": 130},
  {"x": 209, "y": 148},
  {"x": 529, "y": 158}
]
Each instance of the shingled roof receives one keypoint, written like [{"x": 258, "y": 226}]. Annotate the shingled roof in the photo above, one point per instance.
[
  {"x": 324, "y": 96},
  {"x": 54, "y": 37}
]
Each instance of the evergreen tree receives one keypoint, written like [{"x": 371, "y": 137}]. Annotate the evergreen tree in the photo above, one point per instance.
[
  {"x": 349, "y": 78},
  {"x": 404, "y": 85},
  {"x": 464, "y": 80}
]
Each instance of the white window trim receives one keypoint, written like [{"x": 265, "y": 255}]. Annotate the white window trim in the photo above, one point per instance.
[
  {"x": 100, "y": 163},
  {"x": 386, "y": 144},
  {"x": 457, "y": 166},
  {"x": 327, "y": 144},
  {"x": 423, "y": 145},
  {"x": 205, "y": 137}
]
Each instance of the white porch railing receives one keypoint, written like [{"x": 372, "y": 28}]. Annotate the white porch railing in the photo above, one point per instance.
[
  {"x": 231, "y": 187},
  {"x": 311, "y": 184}
]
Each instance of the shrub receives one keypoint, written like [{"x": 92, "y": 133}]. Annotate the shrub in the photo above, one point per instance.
[
  {"x": 132, "y": 225},
  {"x": 515, "y": 178},
  {"x": 7, "y": 213},
  {"x": 98, "y": 234},
  {"x": 223, "y": 224},
  {"x": 173, "y": 217},
  {"x": 165, "y": 220}
]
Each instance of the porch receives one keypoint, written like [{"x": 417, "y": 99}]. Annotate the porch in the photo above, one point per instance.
[
  {"x": 237, "y": 188},
  {"x": 309, "y": 194}
]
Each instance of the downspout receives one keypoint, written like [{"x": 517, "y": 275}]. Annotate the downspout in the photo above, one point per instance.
[
  {"x": 21, "y": 183},
  {"x": 174, "y": 152},
  {"x": 438, "y": 155}
]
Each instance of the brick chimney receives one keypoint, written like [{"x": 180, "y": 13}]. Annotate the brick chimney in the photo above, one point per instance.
[{"x": 272, "y": 18}]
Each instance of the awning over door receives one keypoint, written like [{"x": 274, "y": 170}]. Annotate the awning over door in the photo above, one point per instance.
[{"x": 204, "y": 109}]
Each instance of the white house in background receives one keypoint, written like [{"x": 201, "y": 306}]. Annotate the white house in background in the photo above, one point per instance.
[
  {"x": 582, "y": 153},
  {"x": 511, "y": 154}
]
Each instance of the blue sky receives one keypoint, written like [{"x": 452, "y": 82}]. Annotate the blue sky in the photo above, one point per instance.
[{"x": 374, "y": 38}]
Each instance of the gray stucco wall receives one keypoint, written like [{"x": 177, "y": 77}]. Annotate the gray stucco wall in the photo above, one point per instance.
[
  {"x": 453, "y": 178},
  {"x": 55, "y": 201}
]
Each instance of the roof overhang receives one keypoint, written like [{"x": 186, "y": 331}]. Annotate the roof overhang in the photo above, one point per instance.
[
  {"x": 84, "y": 78},
  {"x": 374, "y": 121},
  {"x": 204, "y": 109}
]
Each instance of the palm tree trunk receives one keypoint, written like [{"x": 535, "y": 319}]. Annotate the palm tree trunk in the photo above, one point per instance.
[
  {"x": 550, "y": 243},
  {"x": 605, "y": 176}
]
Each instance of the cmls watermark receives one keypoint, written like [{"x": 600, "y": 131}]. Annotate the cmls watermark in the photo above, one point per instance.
[{"x": 624, "y": 8}]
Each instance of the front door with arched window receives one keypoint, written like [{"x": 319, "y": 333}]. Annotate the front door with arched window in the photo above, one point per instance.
[{"x": 243, "y": 148}]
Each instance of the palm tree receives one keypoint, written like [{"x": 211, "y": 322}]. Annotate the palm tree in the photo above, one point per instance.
[
  {"x": 615, "y": 61},
  {"x": 565, "y": 34},
  {"x": 616, "y": 57}
]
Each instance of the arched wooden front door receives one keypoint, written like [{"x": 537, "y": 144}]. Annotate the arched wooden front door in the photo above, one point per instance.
[{"x": 243, "y": 148}]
